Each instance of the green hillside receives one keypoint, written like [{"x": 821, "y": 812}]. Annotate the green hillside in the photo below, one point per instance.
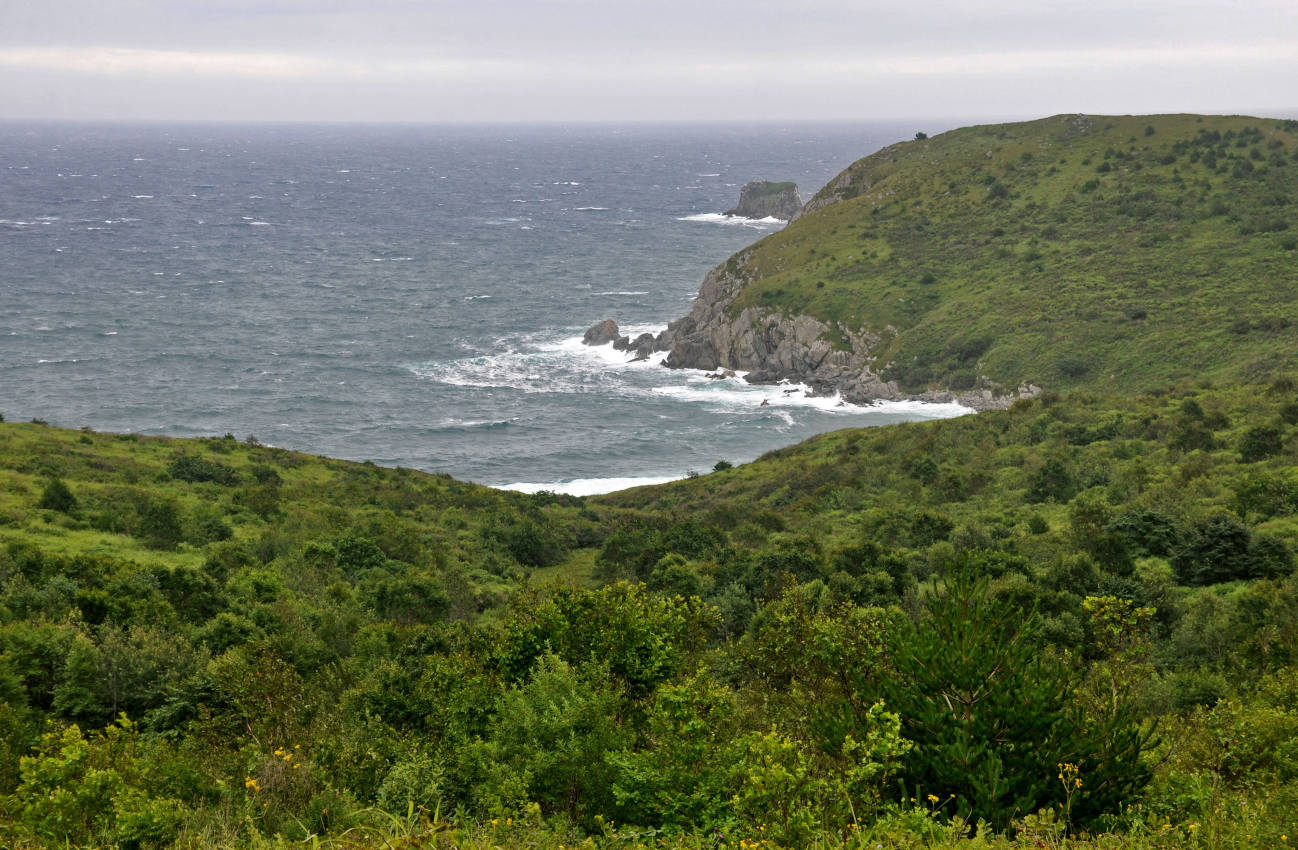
[
  {"x": 1115, "y": 253},
  {"x": 217, "y": 643}
]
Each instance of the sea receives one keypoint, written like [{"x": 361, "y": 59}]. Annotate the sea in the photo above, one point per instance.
[{"x": 408, "y": 295}]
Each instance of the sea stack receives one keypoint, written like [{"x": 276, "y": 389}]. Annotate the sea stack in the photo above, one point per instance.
[{"x": 764, "y": 199}]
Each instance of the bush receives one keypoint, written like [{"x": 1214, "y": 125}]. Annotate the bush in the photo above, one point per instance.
[
  {"x": 57, "y": 497},
  {"x": 1216, "y": 549},
  {"x": 992, "y": 718},
  {"x": 159, "y": 525},
  {"x": 1258, "y": 442},
  {"x": 197, "y": 469}
]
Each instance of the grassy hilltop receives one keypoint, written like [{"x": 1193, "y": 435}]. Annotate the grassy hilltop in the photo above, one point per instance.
[{"x": 1115, "y": 253}]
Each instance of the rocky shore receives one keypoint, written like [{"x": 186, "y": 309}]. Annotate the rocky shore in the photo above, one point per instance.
[{"x": 772, "y": 347}]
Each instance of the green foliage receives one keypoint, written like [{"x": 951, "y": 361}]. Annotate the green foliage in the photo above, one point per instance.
[
  {"x": 764, "y": 684},
  {"x": 1258, "y": 442},
  {"x": 57, "y": 497},
  {"x": 192, "y": 468},
  {"x": 991, "y": 717},
  {"x": 550, "y": 739}
]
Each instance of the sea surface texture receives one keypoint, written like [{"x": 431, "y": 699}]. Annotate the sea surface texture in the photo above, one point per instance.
[{"x": 413, "y": 296}]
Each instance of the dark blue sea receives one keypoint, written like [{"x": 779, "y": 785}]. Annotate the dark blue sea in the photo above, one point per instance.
[{"x": 410, "y": 295}]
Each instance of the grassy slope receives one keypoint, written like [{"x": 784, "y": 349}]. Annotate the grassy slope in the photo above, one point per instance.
[
  {"x": 276, "y": 502},
  {"x": 1134, "y": 452},
  {"x": 1116, "y": 253}
]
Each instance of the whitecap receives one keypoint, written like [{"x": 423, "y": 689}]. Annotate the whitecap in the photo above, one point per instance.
[
  {"x": 141, "y": 197},
  {"x": 707, "y": 175},
  {"x": 626, "y": 292},
  {"x": 719, "y": 218},
  {"x": 589, "y": 486},
  {"x": 737, "y": 394},
  {"x": 590, "y": 209},
  {"x": 259, "y": 224}
]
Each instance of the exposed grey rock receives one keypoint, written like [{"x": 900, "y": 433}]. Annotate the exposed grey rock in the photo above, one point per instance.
[
  {"x": 764, "y": 199},
  {"x": 642, "y": 345},
  {"x": 773, "y": 347},
  {"x": 601, "y": 333}
]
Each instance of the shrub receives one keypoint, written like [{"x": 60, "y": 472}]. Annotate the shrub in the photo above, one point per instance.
[
  {"x": 1219, "y": 548},
  {"x": 991, "y": 717},
  {"x": 57, "y": 497},
  {"x": 159, "y": 525},
  {"x": 197, "y": 469},
  {"x": 1258, "y": 442}
]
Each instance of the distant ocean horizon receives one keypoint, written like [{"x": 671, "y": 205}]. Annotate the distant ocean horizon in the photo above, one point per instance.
[{"x": 404, "y": 294}]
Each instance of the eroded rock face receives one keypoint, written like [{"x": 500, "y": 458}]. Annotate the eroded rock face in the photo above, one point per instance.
[
  {"x": 773, "y": 347},
  {"x": 764, "y": 199}
]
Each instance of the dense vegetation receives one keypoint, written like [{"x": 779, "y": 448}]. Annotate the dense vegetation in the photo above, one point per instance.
[
  {"x": 1119, "y": 254},
  {"x": 1074, "y": 621}
]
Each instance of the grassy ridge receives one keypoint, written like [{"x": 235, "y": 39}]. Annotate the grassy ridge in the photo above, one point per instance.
[{"x": 1117, "y": 253}]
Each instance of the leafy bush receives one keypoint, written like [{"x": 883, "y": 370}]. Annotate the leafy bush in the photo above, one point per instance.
[
  {"x": 188, "y": 467},
  {"x": 57, "y": 497},
  {"x": 991, "y": 717},
  {"x": 1259, "y": 442}
]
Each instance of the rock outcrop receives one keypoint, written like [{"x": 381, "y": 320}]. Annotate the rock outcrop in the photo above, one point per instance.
[
  {"x": 773, "y": 347},
  {"x": 601, "y": 333},
  {"x": 763, "y": 199}
]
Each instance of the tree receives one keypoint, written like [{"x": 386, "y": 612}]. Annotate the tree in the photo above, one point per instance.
[
  {"x": 992, "y": 717},
  {"x": 57, "y": 497}
]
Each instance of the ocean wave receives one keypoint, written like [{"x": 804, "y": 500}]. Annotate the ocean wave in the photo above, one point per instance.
[
  {"x": 589, "y": 486},
  {"x": 737, "y": 394},
  {"x": 768, "y": 223},
  {"x": 590, "y": 209},
  {"x": 625, "y": 292},
  {"x": 541, "y": 363}
]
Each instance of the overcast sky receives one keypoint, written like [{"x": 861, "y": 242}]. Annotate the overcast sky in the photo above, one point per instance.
[{"x": 620, "y": 60}]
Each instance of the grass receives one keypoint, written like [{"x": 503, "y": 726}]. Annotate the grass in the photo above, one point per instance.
[{"x": 1112, "y": 253}]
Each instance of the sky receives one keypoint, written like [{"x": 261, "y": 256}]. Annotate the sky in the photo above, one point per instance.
[{"x": 641, "y": 60}]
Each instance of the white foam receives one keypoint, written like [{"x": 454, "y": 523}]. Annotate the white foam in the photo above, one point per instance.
[
  {"x": 736, "y": 393},
  {"x": 767, "y": 223},
  {"x": 590, "y": 209},
  {"x": 625, "y": 292},
  {"x": 141, "y": 197},
  {"x": 589, "y": 486}
]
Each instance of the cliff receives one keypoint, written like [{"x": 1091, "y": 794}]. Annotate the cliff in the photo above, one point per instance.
[
  {"x": 1112, "y": 253},
  {"x": 763, "y": 199}
]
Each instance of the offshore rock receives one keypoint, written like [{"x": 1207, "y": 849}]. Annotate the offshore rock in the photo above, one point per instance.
[
  {"x": 763, "y": 199},
  {"x": 601, "y": 333}
]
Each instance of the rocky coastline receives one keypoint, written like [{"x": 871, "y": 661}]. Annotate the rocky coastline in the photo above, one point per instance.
[{"x": 772, "y": 347}]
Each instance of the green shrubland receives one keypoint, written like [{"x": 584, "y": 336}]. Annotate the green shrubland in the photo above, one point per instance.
[{"x": 1073, "y": 622}]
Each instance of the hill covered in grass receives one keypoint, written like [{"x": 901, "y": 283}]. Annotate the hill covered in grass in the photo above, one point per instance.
[{"x": 1119, "y": 254}]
